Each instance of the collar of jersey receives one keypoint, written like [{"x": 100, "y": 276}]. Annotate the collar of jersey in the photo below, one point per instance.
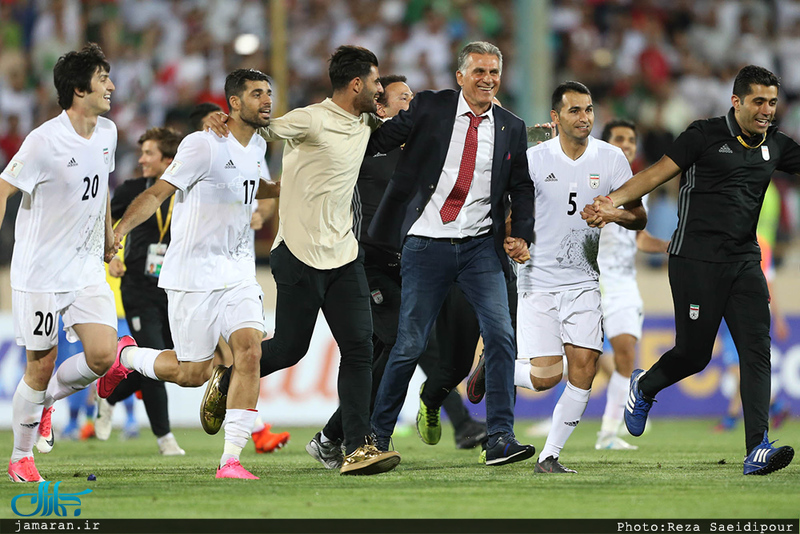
[{"x": 736, "y": 131}]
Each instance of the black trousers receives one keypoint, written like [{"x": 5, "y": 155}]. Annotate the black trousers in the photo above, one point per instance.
[
  {"x": 457, "y": 332},
  {"x": 384, "y": 285},
  {"x": 343, "y": 296},
  {"x": 146, "y": 314},
  {"x": 703, "y": 293}
]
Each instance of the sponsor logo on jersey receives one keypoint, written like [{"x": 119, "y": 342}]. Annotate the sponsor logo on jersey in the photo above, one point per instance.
[
  {"x": 72, "y": 163},
  {"x": 551, "y": 178},
  {"x": 765, "y": 152},
  {"x": 725, "y": 149},
  {"x": 14, "y": 167},
  {"x": 694, "y": 311},
  {"x": 594, "y": 181},
  {"x": 230, "y": 164}
]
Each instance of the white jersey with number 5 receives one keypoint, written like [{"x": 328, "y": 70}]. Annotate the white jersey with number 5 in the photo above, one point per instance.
[
  {"x": 60, "y": 230},
  {"x": 564, "y": 252},
  {"x": 217, "y": 179}
]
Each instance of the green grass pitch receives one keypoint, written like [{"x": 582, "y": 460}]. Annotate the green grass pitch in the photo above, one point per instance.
[{"x": 681, "y": 470}]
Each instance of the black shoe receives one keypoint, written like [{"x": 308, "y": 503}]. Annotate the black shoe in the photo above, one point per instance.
[
  {"x": 507, "y": 450},
  {"x": 382, "y": 443},
  {"x": 476, "y": 385},
  {"x": 471, "y": 434},
  {"x": 551, "y": 465}
]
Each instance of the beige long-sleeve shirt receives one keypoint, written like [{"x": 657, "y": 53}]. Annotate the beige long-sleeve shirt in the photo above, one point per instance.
[{"x": 325, "y": 146}]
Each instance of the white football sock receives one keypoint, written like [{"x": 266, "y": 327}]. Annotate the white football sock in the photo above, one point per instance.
[
  {"x": 141, "y": 359},
  {"x": 238, "y": 424},
  {"x": 72, "y": 375},
  {"x": 26, "y": 413},
  {"x": 566, "y": 416},
  {"x": 522, "y": 374},
  {"x": 615, "y": 404}
]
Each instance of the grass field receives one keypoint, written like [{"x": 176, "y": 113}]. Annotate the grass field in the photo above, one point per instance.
[{"x": 682, "y": 470}]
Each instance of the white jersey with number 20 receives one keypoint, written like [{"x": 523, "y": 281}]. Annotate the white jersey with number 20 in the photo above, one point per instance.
[{"x": 60, "y": 230}]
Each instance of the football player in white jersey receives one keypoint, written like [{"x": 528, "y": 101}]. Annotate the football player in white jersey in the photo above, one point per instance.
[
  {"x": 63, "y": 231},
  {"x": 209, "y": 269},
  {"x": 622, "y": 303},
  {"x": 559, "y": 311}
]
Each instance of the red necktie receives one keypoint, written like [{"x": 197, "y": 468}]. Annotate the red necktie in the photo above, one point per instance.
[{"x": 456, "y": 198}]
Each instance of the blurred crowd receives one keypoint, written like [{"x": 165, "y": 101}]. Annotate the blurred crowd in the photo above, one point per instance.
[{"x": 661, "y": 63}]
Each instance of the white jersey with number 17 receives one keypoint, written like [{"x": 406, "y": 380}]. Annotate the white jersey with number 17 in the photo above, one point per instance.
[
  {"x": 60, "y": 230},
  {"x": 564, "y": 252},
  {"x": 217, "y": 179}
]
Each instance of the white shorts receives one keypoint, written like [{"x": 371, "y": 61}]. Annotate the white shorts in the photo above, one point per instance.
[
  {"x": 198, "y": 318},
  {"x": 36, "y": 314},
  {"x": 546, "y": 321},
  {"x": 623, "y": 314}
]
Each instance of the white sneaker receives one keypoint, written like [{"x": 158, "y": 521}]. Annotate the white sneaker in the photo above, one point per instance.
[
  {"x": 168, "y": 446},
  {"x": 613, "y": 442},
  {"x": 102, "y": 422}
]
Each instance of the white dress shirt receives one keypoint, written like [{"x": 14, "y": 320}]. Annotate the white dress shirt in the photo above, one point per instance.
[{"x": 475, "y": 218}]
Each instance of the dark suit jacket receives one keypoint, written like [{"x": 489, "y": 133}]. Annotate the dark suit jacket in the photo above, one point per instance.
[{"x": 426, "y": 129}]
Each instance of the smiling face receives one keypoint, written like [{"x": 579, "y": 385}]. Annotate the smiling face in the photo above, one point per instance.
[
  {"x": 98, "y": 99},
  {"x": 369, "y": 89},
  {"x": 757, "y": 111},
  {"x": 624, "y": 138},
  {"x": 480, "y": 81},
  {"x": 398, "y": 98},
  {"x": 255, "y": 104},
  {"x": 152, "y": 160},
  {"x": 575, "y": 117}
]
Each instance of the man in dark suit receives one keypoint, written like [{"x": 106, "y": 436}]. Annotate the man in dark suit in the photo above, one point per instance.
[{"x": 446, "y": 204}]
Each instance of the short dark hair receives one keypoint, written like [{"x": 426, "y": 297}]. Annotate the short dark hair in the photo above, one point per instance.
[
  {"x": 235, "y": 82},
  {"x": 753, "y": 75},
  {"x": 565, "y": 87},
  {"x": 74, "y": 70},
  {"x": 167, "y": 140},
  {"x": 617, "y": 123},
  {"x": 349, "y": 62},
  {"x": 199, "y": 112},
  {"x": 386, "y": 81}
]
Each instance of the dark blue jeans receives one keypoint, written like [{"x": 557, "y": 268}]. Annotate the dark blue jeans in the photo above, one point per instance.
[{"x": 429, "y": 269}]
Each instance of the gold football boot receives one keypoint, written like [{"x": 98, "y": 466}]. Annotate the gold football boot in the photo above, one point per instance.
[
  {"x": 368, "y": 460},
  {"x": 212, "y": 409}
]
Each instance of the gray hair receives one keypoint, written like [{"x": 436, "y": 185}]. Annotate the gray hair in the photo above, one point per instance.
[{"x": 477, "y": 47}]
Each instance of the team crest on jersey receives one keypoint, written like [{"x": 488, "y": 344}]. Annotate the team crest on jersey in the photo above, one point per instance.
[
  {"x": 765, "y": 152},
  {"x": 105, "y": 155},
  {"x": 694, "y": 311},
  {"x": 14, "y": 167},
  {"x": 594, "y": 181}
]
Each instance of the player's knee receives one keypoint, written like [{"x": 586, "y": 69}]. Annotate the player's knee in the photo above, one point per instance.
[
  {"x": 543, "y": 384},
  {"x": 546, "y": 375}
]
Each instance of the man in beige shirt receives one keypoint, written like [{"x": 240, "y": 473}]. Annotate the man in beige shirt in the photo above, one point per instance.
[{"x": 315, "y": 259}]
